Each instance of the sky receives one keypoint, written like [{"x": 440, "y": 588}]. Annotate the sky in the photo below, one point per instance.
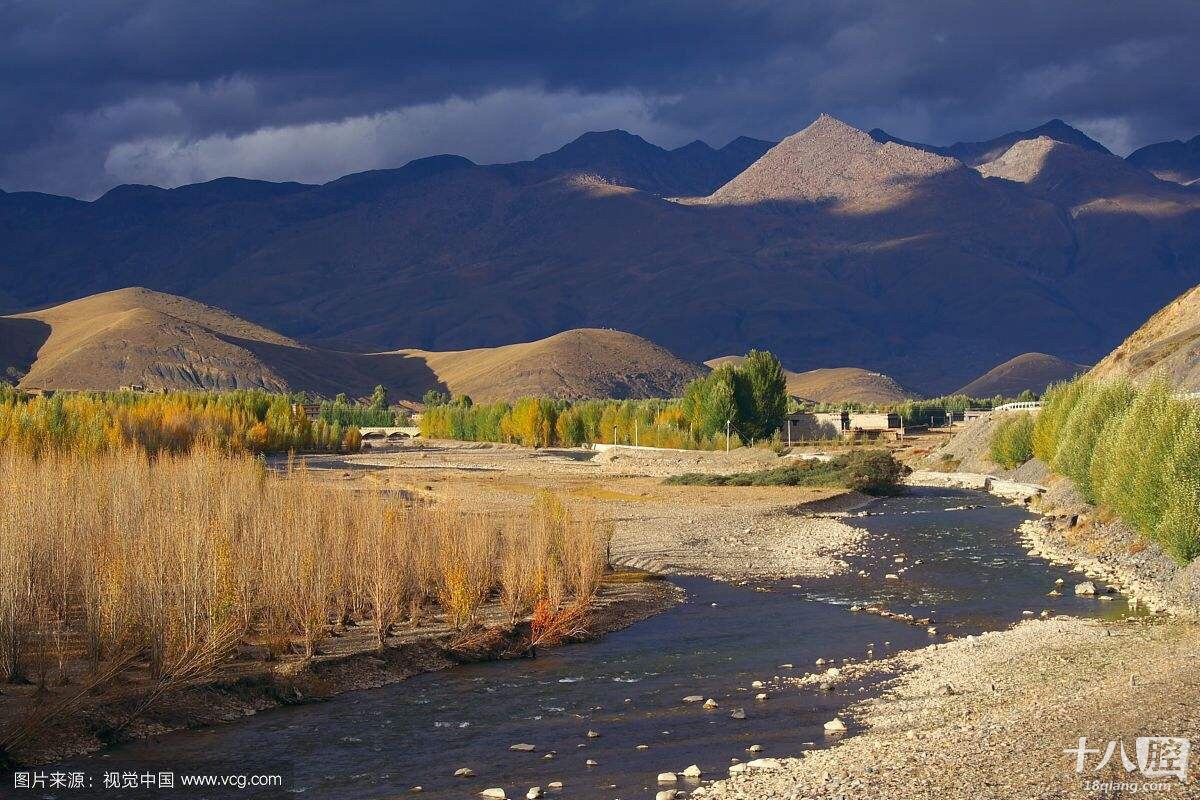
[{"x": 99, "y": 93}]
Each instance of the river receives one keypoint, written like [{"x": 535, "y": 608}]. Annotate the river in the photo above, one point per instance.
[{"x": 973, "y": 575}]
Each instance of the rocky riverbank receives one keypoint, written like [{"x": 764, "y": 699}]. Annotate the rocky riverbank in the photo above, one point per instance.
[{"x": 991, "y": 715}]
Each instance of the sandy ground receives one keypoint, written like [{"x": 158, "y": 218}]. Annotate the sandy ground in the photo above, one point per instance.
[{"x": 728, "y": 533}]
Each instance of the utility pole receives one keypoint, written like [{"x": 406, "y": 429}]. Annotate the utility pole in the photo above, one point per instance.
[
  {"x": 789, "y": 431},
  {"x": 635, "y": 433},
  {"x": 727, "y": 435},
  {"x": 614, "y": 435}
]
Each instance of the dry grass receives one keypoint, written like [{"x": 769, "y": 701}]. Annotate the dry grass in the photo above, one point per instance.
[{"x": 166, "y": 564}]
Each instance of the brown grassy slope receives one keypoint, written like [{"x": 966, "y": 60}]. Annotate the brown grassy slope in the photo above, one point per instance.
[
  {"x": 136, "y": 336},
  {"x": 1034, "y": 371},
  {"x": 1168, "y": 344},
  {"x": 158, "y": 340},
  {"x": 575, "y": 364},
  {"x": 836, "y": 384}
]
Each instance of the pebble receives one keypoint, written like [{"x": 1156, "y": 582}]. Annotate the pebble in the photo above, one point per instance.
[
  {"x": 754, "y": 748},
  {"x": 554, "y": 784},
  {"x": 593, "y": 735},
  {"x": 591, "y": 762},
  {"x": 760, "y": 696},
  {"x": 756, "y": 685},
  {"x": 416, "y": 789},
  {"x": 642, "y": 747}
]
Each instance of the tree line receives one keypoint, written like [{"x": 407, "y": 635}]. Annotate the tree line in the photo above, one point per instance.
[
  {"x": 1134, "y": 451},
  {"x": 749, "y": 401}
]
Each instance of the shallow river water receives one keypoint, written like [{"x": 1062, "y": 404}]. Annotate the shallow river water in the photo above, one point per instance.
[{"x": 628, "y": 686}]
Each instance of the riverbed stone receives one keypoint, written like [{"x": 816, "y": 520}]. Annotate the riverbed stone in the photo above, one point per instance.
[
  {"x": 593, "y": 735},
  {"x": 835, "y": 725},
  {"x": 665, "y": 794},
  {"x": 738, "y": 713},
  {"x": 534, "y": 793},
  {"x": 1085, "y": 589},
  {"x": 692, "y": 772},
  {"x": 555, "y": 784},
  {"x": 523, "y": 747},
  {"x": 591, "y": 762},
  {"x": 693, "y": 698},
  {"x": 756, "y": 685},
  {"x": 710, "y": 703},
  {"x": 493, "y": 794},
  {"x": 464, "y": 772},
  {"x": 760, "y": 696},
  {"x": 667, "y": 777}
]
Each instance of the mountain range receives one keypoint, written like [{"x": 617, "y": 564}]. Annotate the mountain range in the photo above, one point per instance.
[{"x": 831, "y": 247}]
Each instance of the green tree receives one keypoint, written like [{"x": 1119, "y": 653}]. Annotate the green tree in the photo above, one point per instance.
[
  {"x": 718, "y": 403},
  {"x": 433, "y": 398},
  {"x": 379, "y": 398},
  {"x": 761, "y": 394}
]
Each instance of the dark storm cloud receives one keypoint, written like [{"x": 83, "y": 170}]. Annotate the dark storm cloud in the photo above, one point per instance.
[{"x": 99, "y": 93}]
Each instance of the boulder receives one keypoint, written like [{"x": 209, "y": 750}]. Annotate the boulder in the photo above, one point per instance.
[
  {"x": 760, "y": 696},
  {"x": 710, "y": 703},
  {"x": 693, "y": 698},
  {"x": 523, "y": 747},
  {"x": 665, "y": 794},
  {"x": 1085, "y": 589},
  {"x": 737, "y": 713},
  {"x": 667, "y": 777},
  {"x": 692, "y": 772},
  {"x": 767, "y": 764},
  {"x": 835, "y": 725},
  {"x": 534, "y": 793},
  {"x": 493, "y": 794},
  {"x": 464, "y": 772}
]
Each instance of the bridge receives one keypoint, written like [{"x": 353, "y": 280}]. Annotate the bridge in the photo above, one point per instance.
[
  {"x": 1026, "y": 405},
  {"x": 407, "y": 432}
]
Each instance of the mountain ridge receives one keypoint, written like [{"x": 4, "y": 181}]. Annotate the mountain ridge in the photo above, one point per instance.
[{"x": 882, "y": 256}]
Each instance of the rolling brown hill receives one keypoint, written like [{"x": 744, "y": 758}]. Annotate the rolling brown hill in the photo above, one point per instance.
[
  {"x": 576, "y": 364},
  {"x": 836, "y": 384},
  {"x": 831, "y": 248},
  {"x": 1033, "y": 371},
  {"x": 137, "y": 336},
  {"x": 1167, "y": 345}
]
